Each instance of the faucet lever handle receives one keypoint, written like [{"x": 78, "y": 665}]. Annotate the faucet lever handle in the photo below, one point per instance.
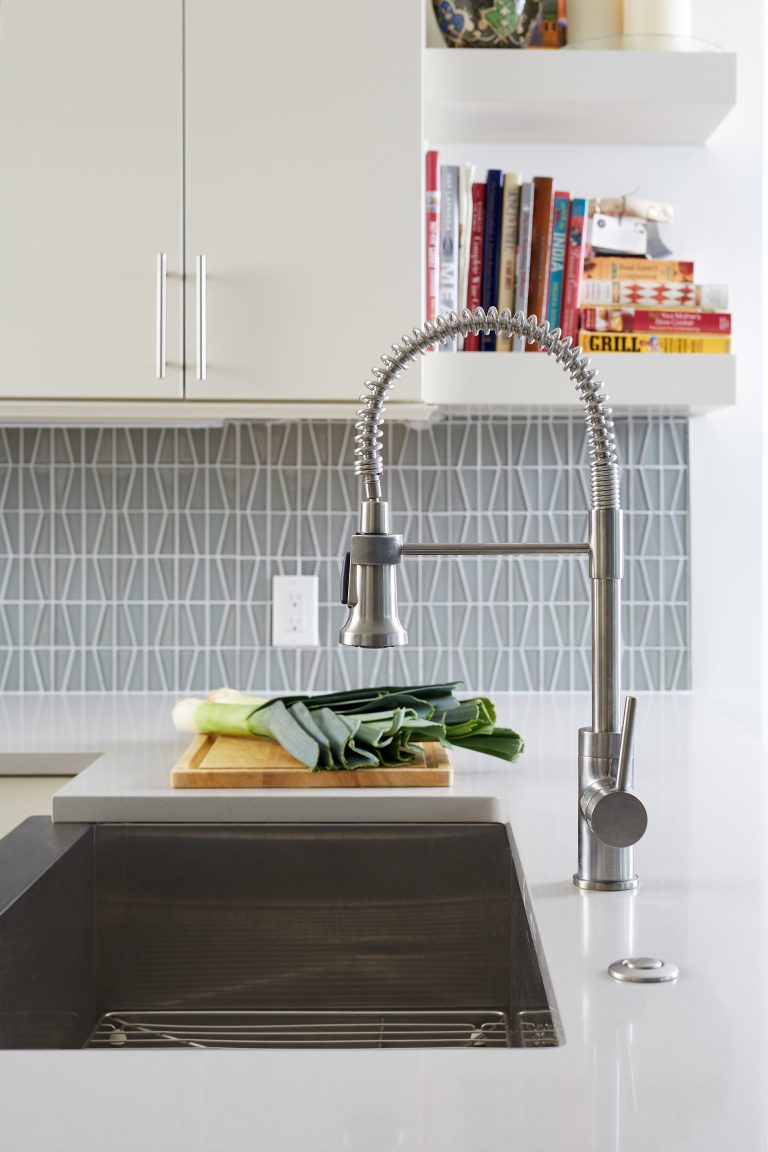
[
  {"x": 345, "y": 574},
  {"x": 625, "y": 747}
]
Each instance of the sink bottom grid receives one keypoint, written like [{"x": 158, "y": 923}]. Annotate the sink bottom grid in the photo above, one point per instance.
[{"x": 390, "y": 1029}]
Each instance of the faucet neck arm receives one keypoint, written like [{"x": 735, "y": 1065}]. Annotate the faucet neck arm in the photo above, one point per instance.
[{"x": 503, "y": 548}]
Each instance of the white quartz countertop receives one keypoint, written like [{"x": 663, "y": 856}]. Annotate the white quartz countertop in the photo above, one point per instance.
[{"x": 668, "y": 1068}]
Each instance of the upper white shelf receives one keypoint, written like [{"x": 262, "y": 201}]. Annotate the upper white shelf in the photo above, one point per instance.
[
  {"x": 598, "y": 97},
  {"x": 692, "y": 384}
]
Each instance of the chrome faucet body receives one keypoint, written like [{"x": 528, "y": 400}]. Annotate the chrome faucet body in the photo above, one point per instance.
[{"x": 611, "y": 819}]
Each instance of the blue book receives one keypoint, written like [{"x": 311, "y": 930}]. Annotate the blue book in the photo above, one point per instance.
[
  {"x": 491, "y": 248},
  {"x": 557, "y": 258}
]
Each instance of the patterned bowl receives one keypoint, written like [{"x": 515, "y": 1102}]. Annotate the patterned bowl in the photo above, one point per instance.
[{"x": 487, "y": 23}]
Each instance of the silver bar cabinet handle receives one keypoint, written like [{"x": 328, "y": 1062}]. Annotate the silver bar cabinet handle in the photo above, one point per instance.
[
  {"x": 161, "y": 315},
  {"x": 202, "y": 317}
]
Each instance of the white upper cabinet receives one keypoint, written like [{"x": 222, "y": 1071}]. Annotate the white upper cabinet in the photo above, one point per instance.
[
  {"x": 303, "y": 168},
  {"x": 91, "y": 155},
  {"x": 210, "y": 201}
]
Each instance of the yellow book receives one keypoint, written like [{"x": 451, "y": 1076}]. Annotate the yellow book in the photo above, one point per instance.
[{"x": 652, "y": 342}]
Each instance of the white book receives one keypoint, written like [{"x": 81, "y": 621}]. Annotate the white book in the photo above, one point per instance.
[
  {"x": 523, "y": 271},
  {"x": 466, "y": 177},
  {"x": 650, "y": 294},
  {"x": 448, "y": 289}
]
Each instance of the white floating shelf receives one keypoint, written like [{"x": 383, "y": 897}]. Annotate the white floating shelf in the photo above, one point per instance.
[
  {"x": 690, "y": 385},
  {"x": 568, "y": 96},
  {"x": 185, "y": 414}
]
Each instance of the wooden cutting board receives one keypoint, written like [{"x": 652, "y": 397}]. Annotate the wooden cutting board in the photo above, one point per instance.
[{"x": 255, "y": 762}]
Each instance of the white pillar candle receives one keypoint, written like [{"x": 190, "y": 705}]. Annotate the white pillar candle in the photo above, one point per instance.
[
  {"x": 593, "y": 19},
  {"x": 658, "y": 17}
]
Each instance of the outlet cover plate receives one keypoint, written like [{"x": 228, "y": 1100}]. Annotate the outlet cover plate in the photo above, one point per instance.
[{"x": 295, "y": 612}]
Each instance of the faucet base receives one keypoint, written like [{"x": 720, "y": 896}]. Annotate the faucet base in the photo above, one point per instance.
[{"x": 605, "y": 885}]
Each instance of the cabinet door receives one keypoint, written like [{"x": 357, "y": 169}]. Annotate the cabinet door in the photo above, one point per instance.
[
  {"x": 90, "y": 196},
  {"x": 23, "y": 796},
  {"x": 303, "y": 177}
]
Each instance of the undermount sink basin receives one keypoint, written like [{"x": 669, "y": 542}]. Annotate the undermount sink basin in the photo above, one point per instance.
[{"x": 322, "y": 935}]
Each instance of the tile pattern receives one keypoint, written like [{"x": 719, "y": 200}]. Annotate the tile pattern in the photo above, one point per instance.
[{"x": 141, "y": 559}]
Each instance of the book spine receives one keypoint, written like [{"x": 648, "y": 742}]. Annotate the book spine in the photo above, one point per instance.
[
  {"x": 493, "y": 190},
  {"x": 557, "y": 258},
  {"x": 541, "y": 241},
  {"x": 466, "y": 179},
  {"x": 510, "y": 220},
  {"x": 634, "y": 294},
  {"x": 638, "y": 268},
  {"x": 652, "y": 320},
  {"x": 574, "y": 265},
  {"x": 432, "y": 232},
  {"x": 475, "y": 278},
  {"x": 652, "y": 342},
  {"x": 449, "y": 246},
  {"x": 522, "y": 273}
]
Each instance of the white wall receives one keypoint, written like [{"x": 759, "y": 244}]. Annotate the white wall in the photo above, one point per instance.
[{"x": 727, "y": 518}]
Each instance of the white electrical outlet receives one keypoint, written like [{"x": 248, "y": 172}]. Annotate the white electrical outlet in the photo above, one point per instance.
[{"x": 294, "y": 612}]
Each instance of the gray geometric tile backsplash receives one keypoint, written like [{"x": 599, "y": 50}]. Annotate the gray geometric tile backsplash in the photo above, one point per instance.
[{"x": 141, "y": 559}]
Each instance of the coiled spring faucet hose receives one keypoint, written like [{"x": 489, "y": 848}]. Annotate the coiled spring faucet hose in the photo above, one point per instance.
[{"x": 604, "y": 470}]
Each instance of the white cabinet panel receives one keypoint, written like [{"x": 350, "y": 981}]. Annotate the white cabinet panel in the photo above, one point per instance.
[
  {"x": 303, "y": 164},
  {"x": 23, "y": 796},
  {"x": 90, "y": 192}
]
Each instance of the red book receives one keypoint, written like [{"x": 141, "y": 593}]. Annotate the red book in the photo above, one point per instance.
[
  {"x": 432, "y": 232},
  {"x": 574, "y": 268},
  {"x": 475, "y": 279},
  {"x": 541, "y": 245},
  {"x": 652, "y": 320}
]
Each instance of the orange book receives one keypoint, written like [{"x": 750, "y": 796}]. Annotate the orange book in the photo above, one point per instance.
[
  {"x": 638, "y": 268},
  {"x": 541, "y": 246}
]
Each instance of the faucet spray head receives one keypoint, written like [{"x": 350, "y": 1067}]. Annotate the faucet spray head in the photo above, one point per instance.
[{"x": 369, "y": 583}]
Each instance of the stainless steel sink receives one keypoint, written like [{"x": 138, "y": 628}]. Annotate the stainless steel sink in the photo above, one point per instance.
[{"x": 267, "y": 935}]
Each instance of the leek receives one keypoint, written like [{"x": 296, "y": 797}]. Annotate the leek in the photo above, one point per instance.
[{"x": 364, "y": 728}]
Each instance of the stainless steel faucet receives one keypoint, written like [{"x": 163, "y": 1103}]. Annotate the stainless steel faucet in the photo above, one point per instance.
[{"x": 611, "y": 819}]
